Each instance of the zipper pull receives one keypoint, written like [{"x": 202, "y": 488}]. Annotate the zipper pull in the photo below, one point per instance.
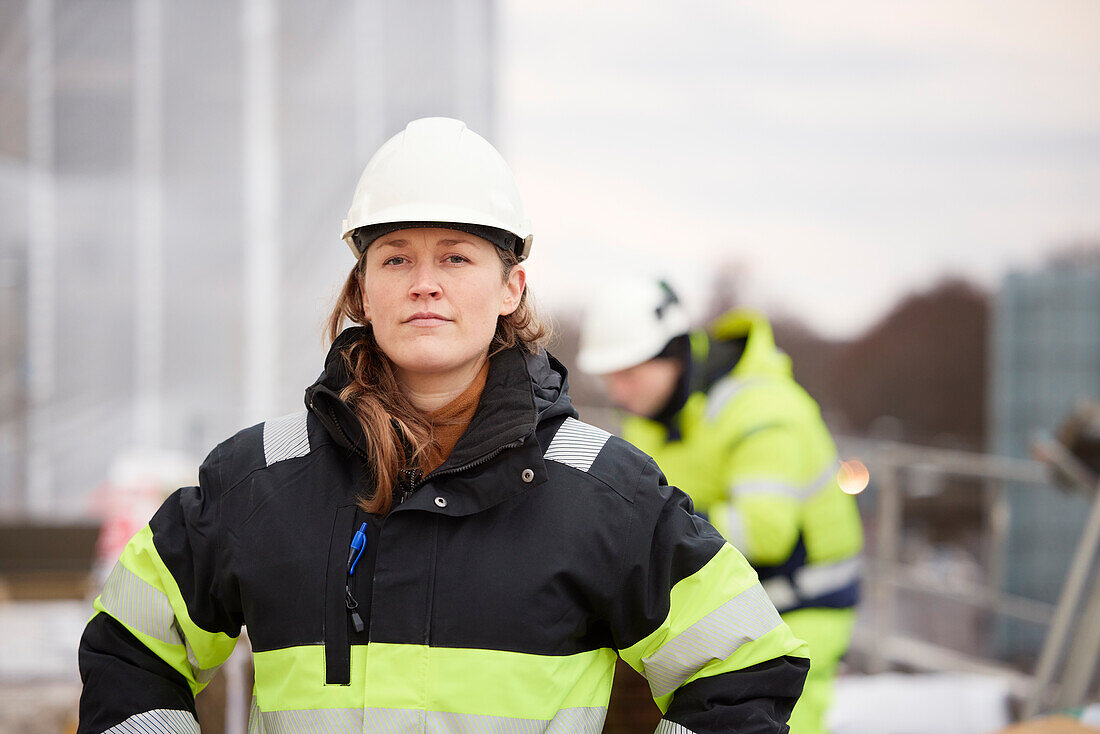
[
  {"x": 352, "y": 606},
  {"x": 408, "y": 483}
]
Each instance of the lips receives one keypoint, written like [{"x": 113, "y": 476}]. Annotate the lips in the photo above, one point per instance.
[{"x": 426, "y": 318}]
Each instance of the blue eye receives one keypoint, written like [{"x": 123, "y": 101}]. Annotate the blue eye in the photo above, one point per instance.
[
  {"x": 456, "y": 259},
  {"x": 393, "y": 260}
]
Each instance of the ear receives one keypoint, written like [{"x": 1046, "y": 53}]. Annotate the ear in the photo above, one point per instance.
[
  {"x": 363, "y": 296},
  {"x": 513, "y": 289}
]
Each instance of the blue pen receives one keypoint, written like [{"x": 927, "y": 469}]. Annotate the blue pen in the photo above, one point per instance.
[{"x": 358, "y": 543}]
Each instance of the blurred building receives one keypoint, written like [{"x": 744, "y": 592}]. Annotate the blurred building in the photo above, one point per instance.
[
  {"x": 1045, "y": 358},
  {"x": 144, "y": 146}
]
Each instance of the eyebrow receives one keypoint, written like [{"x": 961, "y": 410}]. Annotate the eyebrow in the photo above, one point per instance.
[{"x": 440, "y": 243}]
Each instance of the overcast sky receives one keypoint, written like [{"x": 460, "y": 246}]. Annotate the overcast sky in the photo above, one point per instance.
[{"x": 843, "y": 153}]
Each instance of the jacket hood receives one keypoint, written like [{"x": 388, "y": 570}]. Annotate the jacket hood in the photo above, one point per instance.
[
  {"x": 522, "y": 391},
  {"x": 759, "y": 356}
]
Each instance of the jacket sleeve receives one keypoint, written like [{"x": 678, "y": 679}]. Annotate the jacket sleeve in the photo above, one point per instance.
[
  {"x": 765, "y": 488},
  {"x": 696, "y": 623},
  {"x": 165, "y": 620}
]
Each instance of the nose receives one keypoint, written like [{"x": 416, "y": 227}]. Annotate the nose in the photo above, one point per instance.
[{"x": 425, "y": 284}]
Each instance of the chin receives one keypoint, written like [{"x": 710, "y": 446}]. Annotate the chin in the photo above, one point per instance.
[
  {"x": 428, "y": 356},
  {"x": 644, "y": 409},
  {"x": 420, "y": 362}
]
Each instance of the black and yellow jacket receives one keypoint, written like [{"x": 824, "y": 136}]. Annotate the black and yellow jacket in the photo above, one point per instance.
[{"x": 493, "y": 599}]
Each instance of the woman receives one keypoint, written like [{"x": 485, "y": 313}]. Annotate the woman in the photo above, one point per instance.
[{"x": 436, "y": 543}]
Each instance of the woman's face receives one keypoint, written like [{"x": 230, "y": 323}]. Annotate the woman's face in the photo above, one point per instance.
[{"x": 433, "y": 297}]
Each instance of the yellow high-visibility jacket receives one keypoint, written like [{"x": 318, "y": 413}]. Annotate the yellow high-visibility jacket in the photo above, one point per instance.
[{"x": 750, "y": 448}]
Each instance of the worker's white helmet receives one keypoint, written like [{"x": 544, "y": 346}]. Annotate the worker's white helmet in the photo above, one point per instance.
[
  {"x": 630, "y": 322},
  {"x": 437, "y": 171}
]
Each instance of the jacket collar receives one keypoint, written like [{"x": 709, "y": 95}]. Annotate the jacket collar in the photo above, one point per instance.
[
  {"x": 521, "y": 391},
  {"x": 760, "y": 357}
]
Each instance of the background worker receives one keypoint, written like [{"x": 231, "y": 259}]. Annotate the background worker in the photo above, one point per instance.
[{"x": 721, "y": 413}]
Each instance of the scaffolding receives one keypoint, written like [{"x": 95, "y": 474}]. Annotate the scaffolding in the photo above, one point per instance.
[{"x": 1066, "y": 667}]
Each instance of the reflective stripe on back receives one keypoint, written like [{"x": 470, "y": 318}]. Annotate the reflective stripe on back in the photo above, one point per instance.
[
  {"x": 819, "y": 579},
  {"x": 576, "y": 444},
  {"x": 813, "y": 583},
  {"x": 723, "y": 391},
  {"x": 286, "y": 437},
  {"x": 671, "y": 727},
  {"x": 780, "y": 590},
  {"x": 735, "y": 529},
  {"x": 785, "y": 489}
]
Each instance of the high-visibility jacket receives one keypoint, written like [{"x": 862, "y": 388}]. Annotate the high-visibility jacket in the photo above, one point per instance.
[
  {"x": 494, "y": 598},
  {"x": 750, "y": 448}
]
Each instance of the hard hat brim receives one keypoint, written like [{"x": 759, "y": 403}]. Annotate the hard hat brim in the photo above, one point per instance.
[
  {"x": 362, "y": 238},
  {"x": 603, "y": 361},
  {"x": 420, "y": 213}
]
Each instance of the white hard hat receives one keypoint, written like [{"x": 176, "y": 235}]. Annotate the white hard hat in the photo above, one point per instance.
[
  {"x": 437, "y": 171},
  {"x": 630, "y": 322}
]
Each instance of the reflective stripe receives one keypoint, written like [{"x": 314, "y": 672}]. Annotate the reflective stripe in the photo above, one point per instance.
[
  {"x": 139, "y": 605},
  {"x": 744, "y": 618},
  {"x": 142, "y": 595},
  {"x": 826, "y": 478},
  {"x": 781, "y": 592},
  {"x": 157, "y": 721},
  {"x": 818, "y": 579},
  {"x": 315, "y": 721},
  {"x": 785, "y": 489},
  {"x": 576, "y": 444},
  {"x": 671, "y": 727},
  {"x": 811, "y": 582},
  {"x": 584, "y": 720},
  {"x": 735, "y": 529},
  {"x": 748, "y": 489},
  {"x": 255, "y": 721},
  {"x": 723, "y": 391},
  {"x": 146, "y": 609},
  {"x": 202, "y": 675},
  {"x": 588, "y": 720},
  {"x": 721, "y": 579},
  {"x": 286, "y": 437}
]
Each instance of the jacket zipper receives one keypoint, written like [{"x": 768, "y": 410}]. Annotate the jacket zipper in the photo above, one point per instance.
[
  {"x": 408, "y": 482},
  {"x": 412, "y": 481},
  {"x": 478, "y": 462},
  {"x": 344, "y": 434}
]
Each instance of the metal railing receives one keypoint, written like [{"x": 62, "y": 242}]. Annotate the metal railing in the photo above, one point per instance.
[{"x": 884, "y": 644}]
